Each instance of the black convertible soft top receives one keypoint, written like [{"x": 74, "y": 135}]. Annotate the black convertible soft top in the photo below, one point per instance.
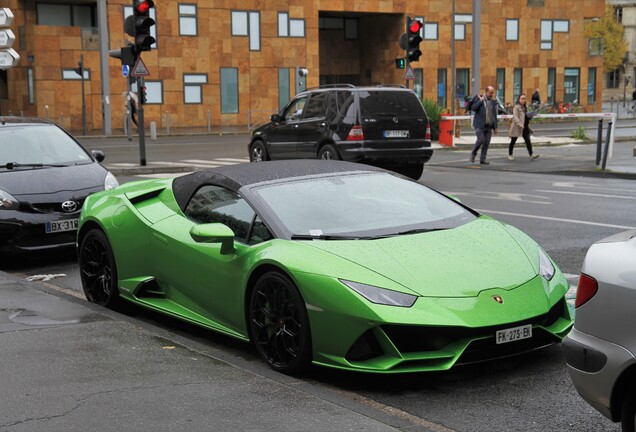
[{"x": 234, "y": 177}]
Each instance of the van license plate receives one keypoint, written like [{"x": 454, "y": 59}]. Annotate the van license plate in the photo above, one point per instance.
[
  {"x": 61, "y": 226},
  {"x": 514, "y": 334},
  {"x": 396, "y": 134}
]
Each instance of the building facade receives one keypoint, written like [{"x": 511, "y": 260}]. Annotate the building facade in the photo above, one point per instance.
[
  {"x": 620, "y": 83},
  {"x": 233, "y": 63}
]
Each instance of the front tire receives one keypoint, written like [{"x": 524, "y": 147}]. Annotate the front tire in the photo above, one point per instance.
[
  {"x": 279, "y": 324},
  {"x": 98, "y": 270},
  {"x": 258, "y": 152},
  {"x": 628, "y": 412},
  {"x": 328, "y": 152}
]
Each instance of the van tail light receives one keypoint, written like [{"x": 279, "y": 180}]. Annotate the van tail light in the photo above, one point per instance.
[
  {"x": 587, "y": 288},
  {"x": 428, "y": 132},
  {"x": 355, "y": 134}
]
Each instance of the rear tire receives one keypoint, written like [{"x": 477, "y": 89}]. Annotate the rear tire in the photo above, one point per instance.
[
  {"x": 628, "y": 412},
  {"x": 328, "y": 152},
  {"x": 98, "y": 270},
  {"x": 258, "y": 152},
  {"x": 412, "y": 171}
]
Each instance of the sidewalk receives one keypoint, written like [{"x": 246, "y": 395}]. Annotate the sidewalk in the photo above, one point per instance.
[{"x": 68, "y": 365}]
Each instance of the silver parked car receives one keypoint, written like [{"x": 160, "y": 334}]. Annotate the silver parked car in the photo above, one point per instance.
[{"x": 600, "y": 350}]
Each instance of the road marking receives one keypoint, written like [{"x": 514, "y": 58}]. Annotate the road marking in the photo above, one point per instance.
[
  {"x": 622, "y": 227},
  {"x": 243, "y": 160},
  {"x": 216, "y": 162},
  {"x": 587, "y": 194},
  {"x": 506, "y": 196}
]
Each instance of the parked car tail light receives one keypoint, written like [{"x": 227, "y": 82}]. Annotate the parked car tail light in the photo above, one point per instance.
[
  {"x": 428, "y": 132},
  {"x": 355, "y": 134},
  {"x": 587, "y": 288}
]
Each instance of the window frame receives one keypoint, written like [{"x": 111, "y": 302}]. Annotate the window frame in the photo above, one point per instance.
[
  {"x": 591, "y": 85},
  {"x": 73, "y": 76},
  {"x": 194, "y": 84},
  {"x": 194, "y": 16},
  {"x": 509, "y": 22},
  {"x": 427, "y": 27},
  {"x": 461, "y": 28},
  {"x": 221, "y": 69}
]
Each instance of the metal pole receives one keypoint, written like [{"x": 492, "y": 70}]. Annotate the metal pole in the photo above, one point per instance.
[
  {"x": 607, "y": 142},
  {"x": 209, "y": 123},
  {"x": 81, "y": 65},
  {"x": 476, "y": 46},
  {"x": 167, "y": 122},
  {"x": 406, "y": 56},
  {"x": 102, "y": 27},
  {"x": 453, "y": 89},
  {"x": 599, "y": 142},
  {"x": 140, "y": 122}
]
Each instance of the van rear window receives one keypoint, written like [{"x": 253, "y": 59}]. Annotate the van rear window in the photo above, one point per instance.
[{"x": 389, "y": 103}]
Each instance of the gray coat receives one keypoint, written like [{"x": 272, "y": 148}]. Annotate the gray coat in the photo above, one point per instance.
[{"x": 518, "y": 120}]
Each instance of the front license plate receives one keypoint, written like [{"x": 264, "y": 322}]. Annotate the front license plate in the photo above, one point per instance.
[
  {"x": 514, "y": 334},
  {"x": 61, "y": 226},
  {"x": 396, "y": 134}
]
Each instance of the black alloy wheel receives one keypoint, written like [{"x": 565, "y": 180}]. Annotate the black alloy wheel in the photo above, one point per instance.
[
  {"x": 258, "y": 152},
  {"x": 628, "y": 412},
  {"x": 98, "y": 270},
  {"x": 279, "y": 325},
  {"x": 328, "y": 152}
]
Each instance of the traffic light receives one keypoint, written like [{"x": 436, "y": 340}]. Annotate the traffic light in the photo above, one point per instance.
[
  {"x": 125, "y": 54},
  {"x": 143, "y": 22},
  {"x": 143, "y": 95},
  {"x": 413, "y": 28},
  {"x": 400, "y": 63}
]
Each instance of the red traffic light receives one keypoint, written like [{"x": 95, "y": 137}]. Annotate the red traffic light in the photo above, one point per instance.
[
  {"x": 415, "y": 26},
  {"x": 143, "y": 6}
]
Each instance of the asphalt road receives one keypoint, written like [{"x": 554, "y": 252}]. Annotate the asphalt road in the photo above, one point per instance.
[{"x": 525, "y": 393}]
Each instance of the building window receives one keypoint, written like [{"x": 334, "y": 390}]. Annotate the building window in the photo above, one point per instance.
[
  {"x": 30, "y": 86},
  {"x": 546, "y": 34},
  {"x": 463, "y": 18},
  {"x": 193, "y": 88},
  {"x": 248, "y": 24},
  {"x": 229, "y": 91},
  {"x": 619, "y": 14},
  {"x": 561, "y": 26},
  {"x": 295, "y": 27},
  {"x": 460, "y": 32},
  {"x": 517, "y": 84},
  {"x": 571, "y": 85},
  {"x": 591, "y": 85},
  {"x": 187, "y": 20},
  {"x": 430, "y": 31},
  {"x": 283, "y": 87},
  {"x": 128, "y": 11},
  {"x": 66, "y": 15},
  {"x": 154, "y": 91},
  {"x": 70, "y": 74},
  {"x": 551, "y": 84},
  {"x": 536, "y": 3},
  {"x": 613, "y": 79},
  {"x": 418, "y": 85},
  {"x": 501, "y": 84},
  {"x": 441, "y": 87},
  {"x": 350, "y": 28},
  {"x": 463, "y": 84},
  {"x": 595, "y": 47},
  {"x": 512, "y": 30}
]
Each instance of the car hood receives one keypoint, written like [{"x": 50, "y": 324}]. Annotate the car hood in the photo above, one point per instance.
[
  {"x": 27, "y": 183},
  {"x": 458, "y": 262}
]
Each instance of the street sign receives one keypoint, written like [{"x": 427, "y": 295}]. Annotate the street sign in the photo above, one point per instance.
[
  {"x": 409, "y": 74},
  {"x": 6, "y": 38},
  {"x": 139, "y": 69},
  {"x": 8, "y": 58},
  {"x": 6, "y": 17},
  {"x": 125, "y": 70}
]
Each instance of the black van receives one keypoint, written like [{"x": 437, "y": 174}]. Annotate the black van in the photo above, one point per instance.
[{"x": 385, "y": 126}]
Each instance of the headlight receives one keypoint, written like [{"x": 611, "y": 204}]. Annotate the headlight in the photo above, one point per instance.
[
  {"x": 380, "y": 295},
  {"x": 546, "y": 268},
  {"x": 7, "y": 202},
  {"x": 110, "y": 182}
]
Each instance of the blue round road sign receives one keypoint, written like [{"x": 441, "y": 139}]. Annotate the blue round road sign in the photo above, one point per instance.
[{"x": 125, "y": 69}]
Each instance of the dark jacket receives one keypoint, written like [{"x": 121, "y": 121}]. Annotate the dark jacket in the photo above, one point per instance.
[{"x": 479, "y": 107}]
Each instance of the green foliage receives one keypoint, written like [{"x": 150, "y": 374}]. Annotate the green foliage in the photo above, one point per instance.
[
  {"x": 433, "y": 111},
  {"x": 580, "y": 134},
  {"x": 611, "y": 32}
]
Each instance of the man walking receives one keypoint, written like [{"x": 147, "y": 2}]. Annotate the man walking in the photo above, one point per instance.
[{"x": 485, "y": 123}]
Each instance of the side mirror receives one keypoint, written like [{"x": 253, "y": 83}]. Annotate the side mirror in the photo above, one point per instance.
[
  {"x": 98, "y": 155},
  {"x": 275, "y": 118},
  {"x": 214, "y": 233}
]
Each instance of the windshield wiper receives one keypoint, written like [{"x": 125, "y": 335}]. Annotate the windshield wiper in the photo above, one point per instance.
[
  {"x": 325, "y": 237},
  {"x": 11, "y": 165},
  {"x": 419, "y": 230}
]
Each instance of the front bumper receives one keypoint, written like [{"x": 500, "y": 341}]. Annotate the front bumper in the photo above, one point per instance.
[
  {"x": 24, "y": 233},
  {"x": 594, "y": 366}
]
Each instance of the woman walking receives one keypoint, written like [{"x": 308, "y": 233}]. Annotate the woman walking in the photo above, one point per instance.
[{"x": 520, "y": 127}]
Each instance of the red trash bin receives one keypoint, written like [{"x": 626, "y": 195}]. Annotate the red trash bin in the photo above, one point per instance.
[{"x": 446, "y": 131}]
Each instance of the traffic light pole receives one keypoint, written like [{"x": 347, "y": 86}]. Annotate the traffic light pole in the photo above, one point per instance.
[
  {"x": 407, "y": 20},
  {"x": 140, "y": 122},
  {"x": 81, "y": 67}
]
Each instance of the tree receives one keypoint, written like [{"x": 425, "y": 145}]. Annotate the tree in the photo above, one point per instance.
[{"x": 612, "y": 36}]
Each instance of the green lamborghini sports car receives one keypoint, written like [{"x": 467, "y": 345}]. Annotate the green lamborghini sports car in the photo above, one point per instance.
[{"x": 325, "y": 262}]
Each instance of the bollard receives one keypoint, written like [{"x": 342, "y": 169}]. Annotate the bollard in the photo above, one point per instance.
[
  {"x": 21, "y": 113},
  {"x": 249, "y": 119},
  {"x": 607, "y": 141},
  {"x": 209, "y": 123},
  {"x": 153, "y": 131},
  {"x": 599, "y": 142},
  {"x": 167, "y": 122},
  {"x": 10, "y": 113},
  {"x": 46, "y": 116}
]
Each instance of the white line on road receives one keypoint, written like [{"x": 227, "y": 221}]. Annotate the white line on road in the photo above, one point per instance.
[
  {"x": 215, "y": 162},
  {"x": 587, "y": 194},
  {"x": 623, "y": 227},
  {"x": 234, "y": 160}
]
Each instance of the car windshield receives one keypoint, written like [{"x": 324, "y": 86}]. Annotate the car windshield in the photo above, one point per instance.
[
  {"x": 38, "y": 146},
  {"x": 361, "y": 205}
]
